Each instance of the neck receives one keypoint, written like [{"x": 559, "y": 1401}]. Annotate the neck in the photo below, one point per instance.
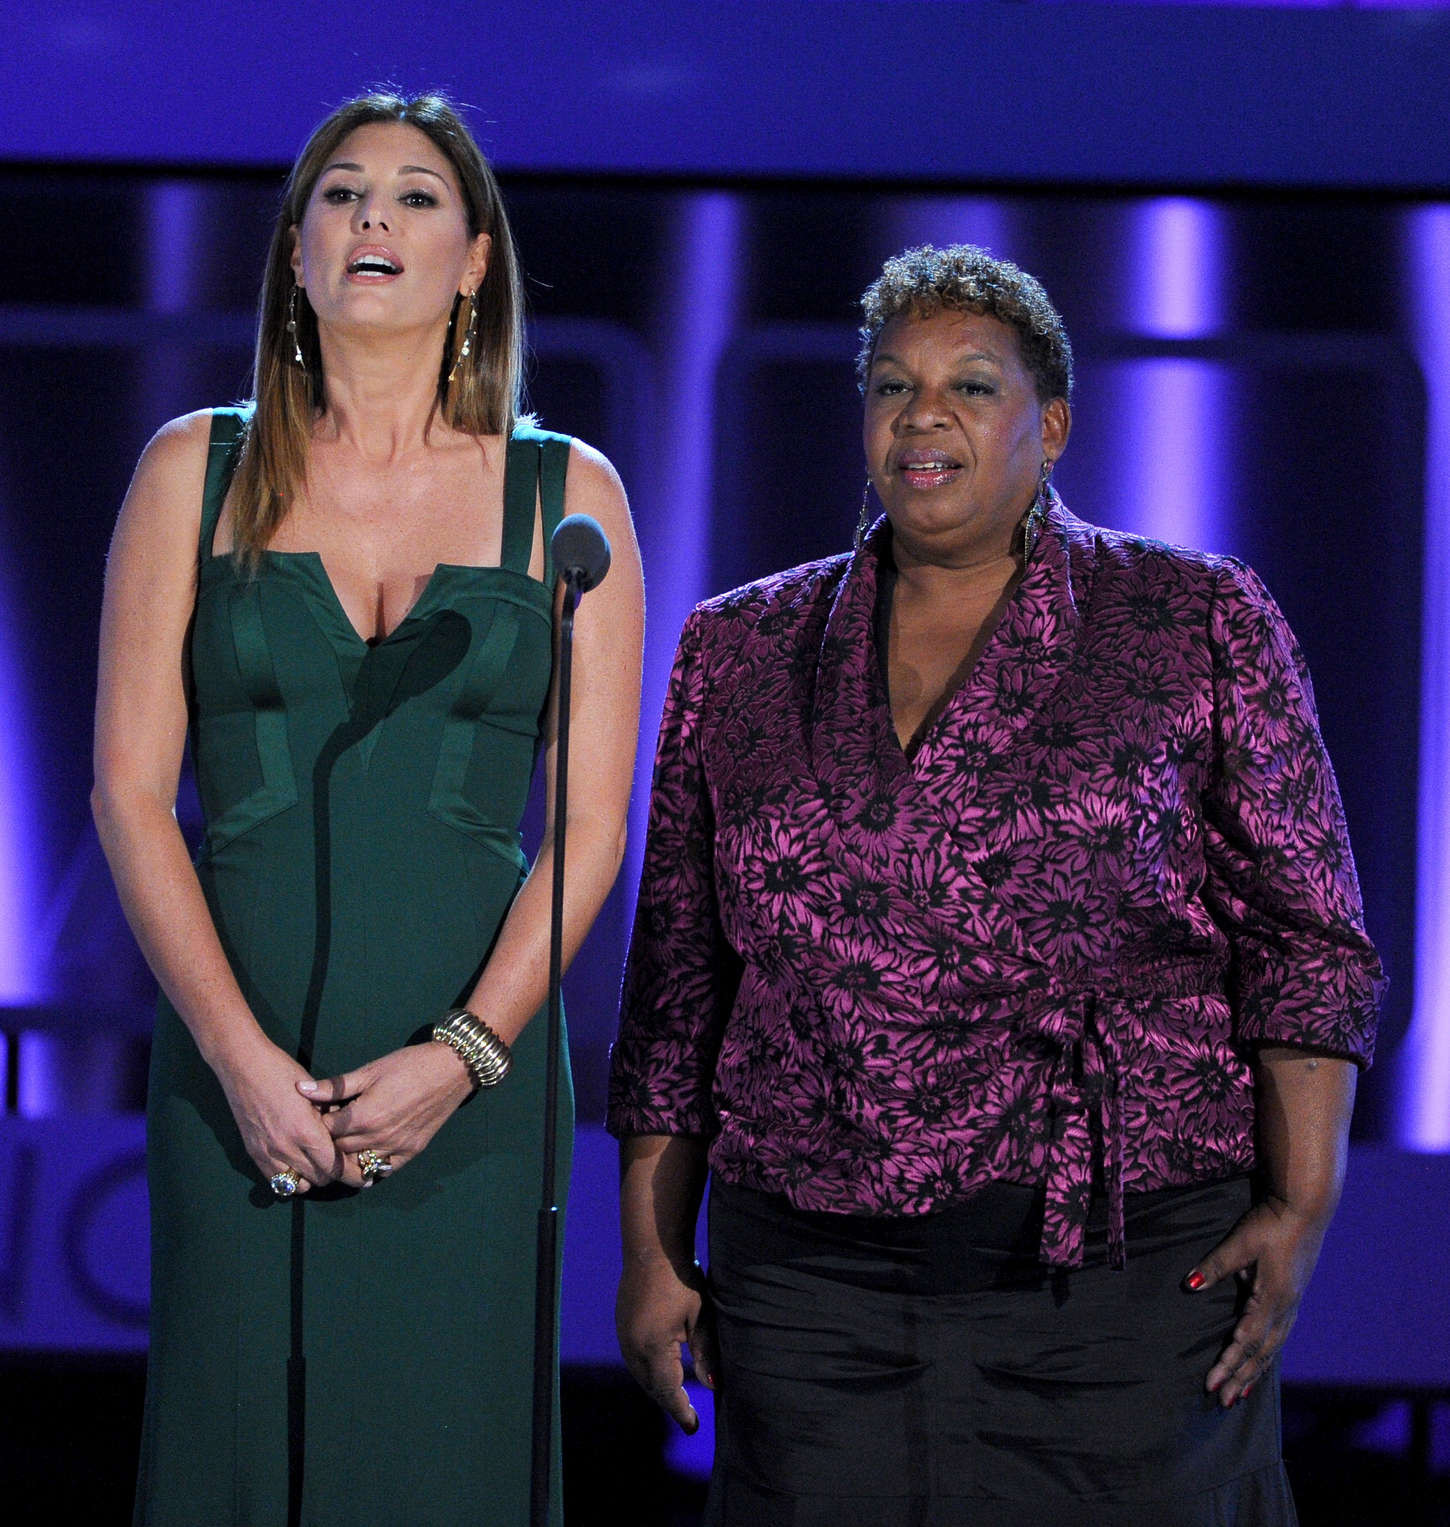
[
  {"x": 380, "y": 395},
  {"x": 956, "y": 568},
  {"x": 972, "y": 582}
]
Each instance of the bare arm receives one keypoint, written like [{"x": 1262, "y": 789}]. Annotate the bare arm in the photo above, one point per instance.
[
  {"x": 662, "y": 1299},
  {"x": 401, "y": 1100},
  {"x": 1304, "y": 1103},
  {"x": 604, "y": 728},
  {"x": 140, "y": 735}
]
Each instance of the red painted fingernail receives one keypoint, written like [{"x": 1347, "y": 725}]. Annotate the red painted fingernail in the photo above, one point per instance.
[{"x": 1194, "y": 1281}]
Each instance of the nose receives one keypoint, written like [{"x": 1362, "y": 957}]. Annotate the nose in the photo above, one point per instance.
[
  {"x": 369, "y": 214},
  {"x": 924, "y": 409}
]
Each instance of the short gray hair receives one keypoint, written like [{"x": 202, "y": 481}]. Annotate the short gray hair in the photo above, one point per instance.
[{"x": 966, "y": 278}]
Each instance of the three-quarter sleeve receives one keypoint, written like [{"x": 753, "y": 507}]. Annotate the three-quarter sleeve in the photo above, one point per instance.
[
  {"x": 682, "y": 973},
  {"x": 1281, "y": 880}
]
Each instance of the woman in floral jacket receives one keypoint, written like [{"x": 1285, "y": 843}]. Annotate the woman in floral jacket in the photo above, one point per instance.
[{"x": 999, "y": 953}]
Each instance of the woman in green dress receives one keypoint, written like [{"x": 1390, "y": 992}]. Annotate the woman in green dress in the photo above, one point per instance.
[{"x": 343, "y": 594}]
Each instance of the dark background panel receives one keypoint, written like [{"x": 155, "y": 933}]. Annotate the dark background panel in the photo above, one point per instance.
[{"x": 1302, "y": 451}]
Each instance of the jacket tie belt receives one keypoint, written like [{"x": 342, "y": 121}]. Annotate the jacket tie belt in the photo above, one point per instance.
[{"x": 1085, "y": 1084}]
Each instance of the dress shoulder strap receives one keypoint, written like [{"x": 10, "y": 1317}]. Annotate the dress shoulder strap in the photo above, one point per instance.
[
  {"x": 228, "y": 429},
  {"x": 534, "y": 470}
]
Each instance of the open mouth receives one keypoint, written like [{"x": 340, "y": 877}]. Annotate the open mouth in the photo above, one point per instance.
[
  {"x": 923, "y": 470},
  {"x": 374, "y": 265}
]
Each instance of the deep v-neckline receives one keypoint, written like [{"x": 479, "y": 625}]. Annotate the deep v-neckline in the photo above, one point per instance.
[
  {"x": 854, "y": 748},
  {"x": 535, "y": 466},
  {"x": 316, "y": 561},
  {"x": 960, "y": 681},
  {"x": 310, "y": 571}
]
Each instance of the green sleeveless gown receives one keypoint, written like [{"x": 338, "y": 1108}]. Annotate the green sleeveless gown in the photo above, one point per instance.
[{"x": 354, "y": 1359}]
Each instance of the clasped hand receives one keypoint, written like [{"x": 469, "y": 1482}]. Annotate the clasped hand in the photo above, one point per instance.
[
  {"x": 290, "y": 1121},
  {"x": 1280, "y": 1243},
  {"x": 393, "y": 1105}
]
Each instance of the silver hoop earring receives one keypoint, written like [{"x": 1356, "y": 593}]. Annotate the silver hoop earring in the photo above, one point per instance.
[
  {"x": 863, "y": 520},
  {"x": 292, "y": 329},
  {"x": 466, "y": 348}
]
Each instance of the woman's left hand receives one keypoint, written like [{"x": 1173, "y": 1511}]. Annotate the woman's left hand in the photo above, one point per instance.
[
  {"x": 393, "y": 1105},
  {"x": 1275, "y": 1247},
  {"x": 1304, "y": 1099}
]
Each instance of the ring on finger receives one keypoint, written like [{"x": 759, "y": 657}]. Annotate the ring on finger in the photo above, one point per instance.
[
  {"x": 374, "y": 1164},
  {"x": 284, "y": 1183}
]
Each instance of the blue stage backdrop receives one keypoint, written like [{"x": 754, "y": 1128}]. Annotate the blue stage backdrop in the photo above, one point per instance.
[{"x": 1252, "y": 256}]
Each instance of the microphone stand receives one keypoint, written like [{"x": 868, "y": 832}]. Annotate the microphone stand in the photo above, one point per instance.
[{"x": 546, "y": 1279}]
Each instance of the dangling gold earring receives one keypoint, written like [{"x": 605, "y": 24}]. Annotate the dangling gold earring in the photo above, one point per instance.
[
  {"x": 1036, "y": 516},
  {"x": 292, "y": 328},
  {"x": 466, "y": 348},
  {"x": 863, "y": 520}
]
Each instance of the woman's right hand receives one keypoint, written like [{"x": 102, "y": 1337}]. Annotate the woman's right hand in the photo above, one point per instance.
[
  {"x": 659, "y": 1307},
  {"x": 280, "y": 1129}
]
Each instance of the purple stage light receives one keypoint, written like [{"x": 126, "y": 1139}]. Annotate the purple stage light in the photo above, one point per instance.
[
  {"x": 175, "y": 213},
  {"x": 1423, "y": 1116},
  {"x": 1173, "y": 481},
  {"x": 674, "y": 491},
  {"x": 1175, "y": 275},
  {"x": 1172, "y": 454},
  {"x": 20, "y": 980}
]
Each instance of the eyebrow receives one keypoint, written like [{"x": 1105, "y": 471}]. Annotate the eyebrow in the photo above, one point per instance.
[
  {"x": 975, "y": 355},
  {"x": 403, "y": 169}
]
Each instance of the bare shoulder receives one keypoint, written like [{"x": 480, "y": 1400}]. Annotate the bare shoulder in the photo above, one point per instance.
[
  {"x": 164, "y": 499},
  {"x": 176, "y": 453},
  {"x": 592, "y": 473},
  {"x": 593, "y": 487},
  {"x": 160, "y": 519}
]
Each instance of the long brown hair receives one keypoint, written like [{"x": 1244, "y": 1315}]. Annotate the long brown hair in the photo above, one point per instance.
[{"x": 483, "y": 398}]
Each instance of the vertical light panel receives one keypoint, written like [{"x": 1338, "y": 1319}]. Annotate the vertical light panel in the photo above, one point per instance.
[
  {"x": 1169, "y": 476},
  {"x": 175, "y": 218},
  {"x": 705, "y": 260},
  {"x": 1171, "y": 470},
  {"x": 177, "y": 229},
  {"x": 698, "y": 318},
  {"x": 1175, "y": 272},
  {"x": 20, "y": 980},
  {"x": 1423, "y": 1117}
]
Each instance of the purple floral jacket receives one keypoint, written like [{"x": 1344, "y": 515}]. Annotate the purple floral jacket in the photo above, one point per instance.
[{"x": 1039, "y": 950}]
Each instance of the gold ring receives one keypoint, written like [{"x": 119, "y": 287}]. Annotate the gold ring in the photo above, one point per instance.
[
  {"x": 373, "y": 1164},
  {"x": 284, "y": 1184}
]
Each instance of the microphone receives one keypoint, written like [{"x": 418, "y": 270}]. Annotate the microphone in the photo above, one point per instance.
[
  {"x": 581, "y": 559},
  {"x": 581, "y": 551}
]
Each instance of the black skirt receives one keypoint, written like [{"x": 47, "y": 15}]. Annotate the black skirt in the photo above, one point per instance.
[{"x": 929, "y": 1372}]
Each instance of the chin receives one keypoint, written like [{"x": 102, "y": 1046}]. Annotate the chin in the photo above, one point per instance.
[{"x": 976, "y": 532}]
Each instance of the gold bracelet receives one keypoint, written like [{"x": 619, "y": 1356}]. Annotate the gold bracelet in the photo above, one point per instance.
[{"x": 487, "y": 1057}]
